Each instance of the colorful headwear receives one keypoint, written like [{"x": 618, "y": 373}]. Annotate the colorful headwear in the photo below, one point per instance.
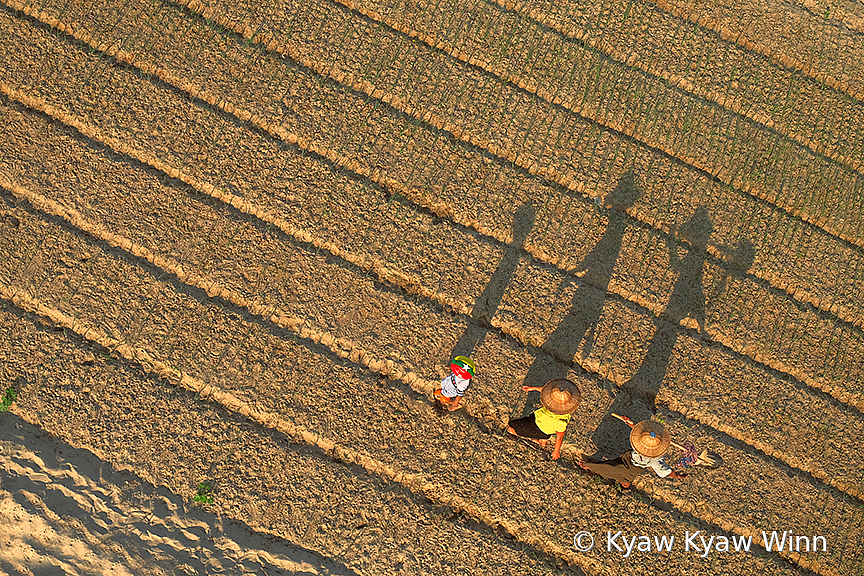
[{"x": 463, "y": 367}]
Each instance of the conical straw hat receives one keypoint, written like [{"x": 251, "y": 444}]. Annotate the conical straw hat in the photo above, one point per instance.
[
  {"x": 649, "y": 438},
  {"x": 560, "y": 396}
]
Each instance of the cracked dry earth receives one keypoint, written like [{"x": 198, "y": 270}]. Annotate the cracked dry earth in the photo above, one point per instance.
[{"x": 239, "y": 244}]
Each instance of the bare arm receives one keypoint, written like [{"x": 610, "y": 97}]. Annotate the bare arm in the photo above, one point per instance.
[
  {"x": 559, "y": 440},
  {"x": 624, "y": 419}
]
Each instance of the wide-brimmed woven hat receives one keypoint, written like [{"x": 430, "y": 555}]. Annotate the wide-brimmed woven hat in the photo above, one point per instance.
[
  {"x": 560, "y": 396},
  {"x": 649, "y": 438}
]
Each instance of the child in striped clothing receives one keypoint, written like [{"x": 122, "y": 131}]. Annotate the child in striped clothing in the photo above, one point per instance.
[{"x": 453, "y": 387}]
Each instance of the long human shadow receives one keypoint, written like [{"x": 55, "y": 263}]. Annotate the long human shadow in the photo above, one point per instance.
[
  {"x": 686, "y": 301},
  {"x": 487, "y": 303},
  {"x": 587, "y": 304}
]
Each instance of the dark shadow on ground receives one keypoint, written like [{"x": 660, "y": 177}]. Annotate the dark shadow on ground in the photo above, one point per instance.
[
  {"x": 587, "y": 304},
  {"x": 487, "y": 303},
  {"x": 638, "y": 395}
]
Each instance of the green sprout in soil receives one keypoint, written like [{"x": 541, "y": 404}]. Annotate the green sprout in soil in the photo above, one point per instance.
[
  {"x": 8, "y": 397},
  {"x": 203, "y": 494}
]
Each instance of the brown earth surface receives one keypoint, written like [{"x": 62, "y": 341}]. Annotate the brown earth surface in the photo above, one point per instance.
[{"x": 240, "y": 244}]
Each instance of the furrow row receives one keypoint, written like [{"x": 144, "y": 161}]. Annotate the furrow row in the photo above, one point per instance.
[
  {"x": 771, "y": 170},
  {"x": 806, "y": 43},
  {"x": 555, "y": 43},
  {"x": 267, "y": 400},
  {"x": 664, "y": 183},
  {"x": 267, "y": 484},
  {"x": 468, "y": 121},
  {"x": 213, "y": 354},
  {"x": 236, "y": 401},
  {"x": 599, "y": 352},
  {"x": 853, "y": 21},
  {"x": 659, "y": 212},
  {"x": 824, "y": 286},
  {"x": 571, "y": 337},
  {"x": 530, "y": 303},
  {"x": 830, "y": 370}
]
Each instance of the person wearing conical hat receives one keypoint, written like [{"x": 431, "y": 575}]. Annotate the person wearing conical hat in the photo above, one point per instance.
[
  {"x": 453, "y": 387},
  {"x": 559, "y": 398},
  {"x": 649, "y": 441}
]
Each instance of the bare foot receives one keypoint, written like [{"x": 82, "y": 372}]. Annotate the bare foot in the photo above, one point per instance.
[{"x": 543, "y": 443}]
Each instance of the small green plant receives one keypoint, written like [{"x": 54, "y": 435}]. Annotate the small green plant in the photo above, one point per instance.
[
  {"x": 8, "y": 397},
  {"x": 203, "y": 494}
]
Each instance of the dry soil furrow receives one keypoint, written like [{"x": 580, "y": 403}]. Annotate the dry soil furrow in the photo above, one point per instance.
[
  {"x": 247, "y": 405},
  {"x": 258, "y": 272},
  {"x": 719, "y": 250},
  {"x": 844, "y": 12},
  {"x": 535, "y": 310},
  {"x": 139, "y": 420},
  {"x": 242, "y": 383},
  {"x": 804, "y": 42},
  {"x": 770, "y": 170},
  {"x": 515, "y": 318},
  {"x": 822, "y": 286},
  {"x": 68, "y": 512},
  {"x": 829, "y": 363},
  {"x": 544, "y": 57},
  {"x": 384, "y": 421}
]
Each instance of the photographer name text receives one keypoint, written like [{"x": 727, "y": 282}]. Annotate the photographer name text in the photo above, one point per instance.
[{"x": 699, "y": 543}]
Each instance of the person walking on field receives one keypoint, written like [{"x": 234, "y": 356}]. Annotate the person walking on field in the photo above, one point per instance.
[
  {"x": 649, "y": 440},
  {"x": 453, "y": 387},
  {"x": 559, "y": 398}
]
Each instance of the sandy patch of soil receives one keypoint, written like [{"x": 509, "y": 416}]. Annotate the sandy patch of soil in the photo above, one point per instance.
[
  {"x": 245, "y": 259},
  {"x": 68, "y": 512}
]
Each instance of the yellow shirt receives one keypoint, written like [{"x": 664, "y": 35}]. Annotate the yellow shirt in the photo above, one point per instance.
[{"x": 549, "y": 422}]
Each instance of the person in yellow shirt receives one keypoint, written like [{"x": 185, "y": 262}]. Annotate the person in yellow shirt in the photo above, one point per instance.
[{"x": 559, "y": 398}]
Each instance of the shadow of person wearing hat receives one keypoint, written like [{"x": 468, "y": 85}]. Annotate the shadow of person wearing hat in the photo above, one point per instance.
[
  {"x": 649, "y": 441},
  {"x": 559, "y": 398},
  {"x": 638, "y": 395},
  {"x": 589, "y": 298}
]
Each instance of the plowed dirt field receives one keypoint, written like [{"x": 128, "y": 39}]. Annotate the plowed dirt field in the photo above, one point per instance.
[{"x": 240, "y": 243}]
